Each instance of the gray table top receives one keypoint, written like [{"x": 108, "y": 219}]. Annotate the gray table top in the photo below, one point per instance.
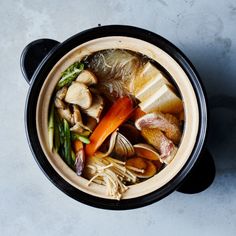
[{"x": 205, "y": 31}]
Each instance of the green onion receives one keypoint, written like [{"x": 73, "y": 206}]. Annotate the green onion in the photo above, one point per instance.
[
  {"x": 70, "y": 74},
  {"x": 67, "y": 143},
  {"x": 73, "y": 156},
  {"x": 57, "y": 141},
  {"x": 82, "y": 138},
  {"x": 51, "y": 127},
  {"x": 60, "y": 126}
]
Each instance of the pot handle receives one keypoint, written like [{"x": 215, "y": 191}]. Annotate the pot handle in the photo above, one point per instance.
[
  {"x": 33, "y": 54},
  {"x": 201, "y": 176}
]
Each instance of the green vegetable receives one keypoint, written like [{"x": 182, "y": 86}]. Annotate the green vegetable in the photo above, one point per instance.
[
  {"x": 51, "y": 127},
  {"x": 57, "y": 140},
  {"x": 70, "y": 74},
  {"x": 61, "y": 152},
  {"x": 82, "y": 138},
  {"x": 67, "y": 143},
  {"x": 73, "y": 156},
  {"x": 60, "y": 127}
]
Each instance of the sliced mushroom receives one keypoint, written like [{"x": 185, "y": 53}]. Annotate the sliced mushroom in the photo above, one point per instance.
[
  {"x": 59, "y": 103},
  {"x": 94, "y": 90},
  {"x": 79, "y": 127},
  {"x": 79, "y": 94},
  {"x": 87, "y": 77},
  {"x": 76, "y": 114},
  {"x": 66, "y": 114},
  {"x": 96, "y": 108},
  {"x": 61, "y": 93},
  {"x": 91, "y": 123}
]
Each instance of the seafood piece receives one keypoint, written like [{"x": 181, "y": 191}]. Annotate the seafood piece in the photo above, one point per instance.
[
  {"x": 79, "y": 161},
  {"x": 146, "y": 151},
  {"x": 167, "y": 123},
  {"x": 158, "y": 140},
  {"x": 114, "y": 70},
  {"x": 138, "y": 163},
  {"x": 119, "y": 146},
  {"x": 123, "y": 148}
]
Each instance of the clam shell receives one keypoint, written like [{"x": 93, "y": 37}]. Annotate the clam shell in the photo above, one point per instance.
[
  {"x": 119, "y": 146},
  {"x": 123, "y": 148},
  {"x": 147, "y": 151}
]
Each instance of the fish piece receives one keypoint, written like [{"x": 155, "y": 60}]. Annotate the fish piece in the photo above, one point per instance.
[
  {"x": 167, "y": 123},
  {"x": 158, "y": 140}
]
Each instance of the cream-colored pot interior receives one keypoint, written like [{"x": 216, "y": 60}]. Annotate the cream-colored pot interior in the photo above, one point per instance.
[{"x": 177, "y": 73}]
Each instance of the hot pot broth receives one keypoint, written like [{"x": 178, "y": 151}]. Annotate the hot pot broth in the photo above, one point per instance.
[{"x": 115, "y": 119}]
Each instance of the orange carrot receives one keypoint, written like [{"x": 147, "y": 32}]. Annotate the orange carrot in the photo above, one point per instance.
[
  {"x": 137, "y": 114},
  {"x": 77, "y": 145},
  {"x": 116, "y": 115}
]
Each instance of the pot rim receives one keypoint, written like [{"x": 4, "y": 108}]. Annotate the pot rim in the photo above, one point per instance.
[{"x": 40, "y": 75}]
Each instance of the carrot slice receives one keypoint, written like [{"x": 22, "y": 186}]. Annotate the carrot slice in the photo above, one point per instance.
[
  {"x": 77, "y": 145},
  {"x": 137, "y": 114},
  {"x": 116, "y": 115}
]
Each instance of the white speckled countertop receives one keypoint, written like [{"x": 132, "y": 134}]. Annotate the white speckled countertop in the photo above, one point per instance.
[{"x": 205, "y": 31}]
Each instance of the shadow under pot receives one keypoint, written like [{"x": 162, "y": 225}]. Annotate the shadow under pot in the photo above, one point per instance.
[{"x": 191, "y": 170}]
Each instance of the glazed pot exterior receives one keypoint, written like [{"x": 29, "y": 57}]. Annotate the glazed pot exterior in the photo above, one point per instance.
[{"x": 46, "y": 53}]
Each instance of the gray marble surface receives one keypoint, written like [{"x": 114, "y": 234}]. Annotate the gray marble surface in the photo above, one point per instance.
[{"x": 205, "y": 31}]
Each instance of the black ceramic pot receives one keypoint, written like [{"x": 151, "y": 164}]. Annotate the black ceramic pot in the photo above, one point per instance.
[{"x": 37, "y": 60}]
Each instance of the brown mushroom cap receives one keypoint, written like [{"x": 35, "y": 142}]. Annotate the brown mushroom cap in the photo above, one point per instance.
[
  {"x": 96, "y": 108},
  {"x": 65, "y": 114},
  {"x": 87, "y": 77},
  {"x": 79, "y": 94}
]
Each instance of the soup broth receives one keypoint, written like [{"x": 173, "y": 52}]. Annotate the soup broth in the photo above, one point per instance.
[{"x": 116, "y": 119}]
